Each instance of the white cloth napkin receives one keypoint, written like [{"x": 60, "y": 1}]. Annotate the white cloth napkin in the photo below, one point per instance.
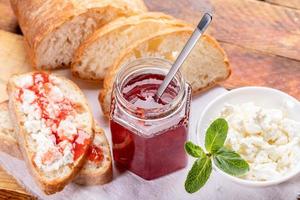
[{"x": 127, "y": 186}]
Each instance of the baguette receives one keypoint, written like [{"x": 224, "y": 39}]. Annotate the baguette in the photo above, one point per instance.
[
  {"x": 99, "y": 51},
  {"x": 206, "y": 65},
  {"x": 94, "y": 172},
  {"x": 54, "y": 127},
  {"x": 53, "y": 29}
]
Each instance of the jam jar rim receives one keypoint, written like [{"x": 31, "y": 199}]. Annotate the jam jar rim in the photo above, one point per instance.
[{"x": 169, "y": 108}]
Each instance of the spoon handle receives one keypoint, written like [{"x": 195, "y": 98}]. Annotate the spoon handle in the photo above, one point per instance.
[{"x": 203, "y": 24}]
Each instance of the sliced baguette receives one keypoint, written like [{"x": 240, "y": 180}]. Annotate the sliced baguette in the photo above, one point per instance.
[
  {"x": 92, "y": 173},
  {"x": 53, "y": 29},
  {"x": 99, "y": 51},
  {"x": 206, "y": 65},
  {"x": 54, "y": 127}
]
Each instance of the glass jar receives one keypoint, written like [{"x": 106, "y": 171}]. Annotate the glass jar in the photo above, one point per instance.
[{"x": 148, "y": 137}]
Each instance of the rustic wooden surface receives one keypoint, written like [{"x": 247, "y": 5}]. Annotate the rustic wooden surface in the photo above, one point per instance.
[
  {"x": 10, "y": 189},
  {"x": 261, "y": 38},
  {"x": 295, "y": 4}
]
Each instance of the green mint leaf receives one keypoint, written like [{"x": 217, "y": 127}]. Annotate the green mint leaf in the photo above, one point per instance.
[
  {"x": 194, "y": 150},
  {"x": 198, "y": 175},
  {"x": 230, "y": 162},
  {"x": 216, "y": 135}
]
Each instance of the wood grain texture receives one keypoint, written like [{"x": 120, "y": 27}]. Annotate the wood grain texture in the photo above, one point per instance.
[
  {"x": 258, "y": 25},
  {"x": 189, "y": 10},
  {"x": 8, "y": 21},
  {"x": 10, "y": 189},
  {"x": 295, "y": 4},
  {"x": 262, "y": 42},
  {"x": 252, "y": 68},
  {"x": 9, "y": 194}
]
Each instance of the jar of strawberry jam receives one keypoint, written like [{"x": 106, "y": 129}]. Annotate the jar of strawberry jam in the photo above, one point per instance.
[{"x": 148, "y": 136}]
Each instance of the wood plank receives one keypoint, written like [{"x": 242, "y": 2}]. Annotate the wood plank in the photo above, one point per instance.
[
  {"x": 10, "y": 189},
  {"x": 189, "y": 10},
  {"x": 252, "y": 68},
  {"x": 288, "y": 3},
  {"x": 258, "y": 25},
  {"x": 9, "y": 194},
  {"x": 8, "y": 20}
]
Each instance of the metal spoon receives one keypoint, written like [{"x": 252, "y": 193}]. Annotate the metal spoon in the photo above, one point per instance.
[{"x": 203, "y": 24}]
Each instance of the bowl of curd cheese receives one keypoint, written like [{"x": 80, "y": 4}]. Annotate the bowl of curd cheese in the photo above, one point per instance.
[{"x": 264, "y": 129}]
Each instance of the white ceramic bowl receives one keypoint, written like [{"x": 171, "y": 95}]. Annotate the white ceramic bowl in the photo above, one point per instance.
[{"x": 261, "y": 96}]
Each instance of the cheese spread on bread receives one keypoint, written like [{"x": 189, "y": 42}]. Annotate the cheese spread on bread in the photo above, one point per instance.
[{"x": 52, "y": 120}]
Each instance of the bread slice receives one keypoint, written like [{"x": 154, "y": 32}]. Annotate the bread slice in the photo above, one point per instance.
[
  {"x": 54, "y": 29},
  {"x": 93, "y": 172},
  {"x": 97, "y": 172},
  {"x": 54, "y": 127},
  {"x": 206, "y": 65},
  {"x": 99, "y": 51}
]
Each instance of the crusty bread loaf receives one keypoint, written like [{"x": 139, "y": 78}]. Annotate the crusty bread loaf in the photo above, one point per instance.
[
  {"x": 206, "y": 65},
  {"x": 53, "y": 29},
  {"x": 99, "y": 51},
  {"x": 54, "y": 127},
  {"x": 92, "y": 173}
]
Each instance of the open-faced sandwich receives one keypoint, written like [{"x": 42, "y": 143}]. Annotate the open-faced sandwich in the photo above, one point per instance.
[{"x": 54, "y": 128}]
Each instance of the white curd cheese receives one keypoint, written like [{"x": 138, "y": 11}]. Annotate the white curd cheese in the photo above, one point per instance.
[
  {"x": 24, "y": 82},
  {"x": 41, "y": 114},
  {"x": 266, "y": 138},
  {"x": 67, "y": 128},
  {"x": 56, "y": 94}
]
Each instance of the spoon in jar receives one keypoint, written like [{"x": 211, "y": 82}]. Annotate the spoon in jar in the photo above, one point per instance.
[{"x": 198, "y": 32}]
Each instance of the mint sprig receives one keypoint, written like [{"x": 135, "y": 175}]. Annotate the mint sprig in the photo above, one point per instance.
[{"x": 225, "y": 159}]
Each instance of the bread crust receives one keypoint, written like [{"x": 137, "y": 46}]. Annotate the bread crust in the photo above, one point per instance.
[
  {"x": 116, "y": 26},
  {"x": 110, "y": 75},
  {"x": 39, "y": 18},
  {"x": 48, "y": 186}
]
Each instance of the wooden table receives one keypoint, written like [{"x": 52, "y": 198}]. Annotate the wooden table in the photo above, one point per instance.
[{"x": 261, "y": 38}]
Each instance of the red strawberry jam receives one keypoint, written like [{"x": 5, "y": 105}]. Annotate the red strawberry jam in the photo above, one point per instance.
[
  {"x": 148, "y": 136},
  {"x": 95, "y": 154}
]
